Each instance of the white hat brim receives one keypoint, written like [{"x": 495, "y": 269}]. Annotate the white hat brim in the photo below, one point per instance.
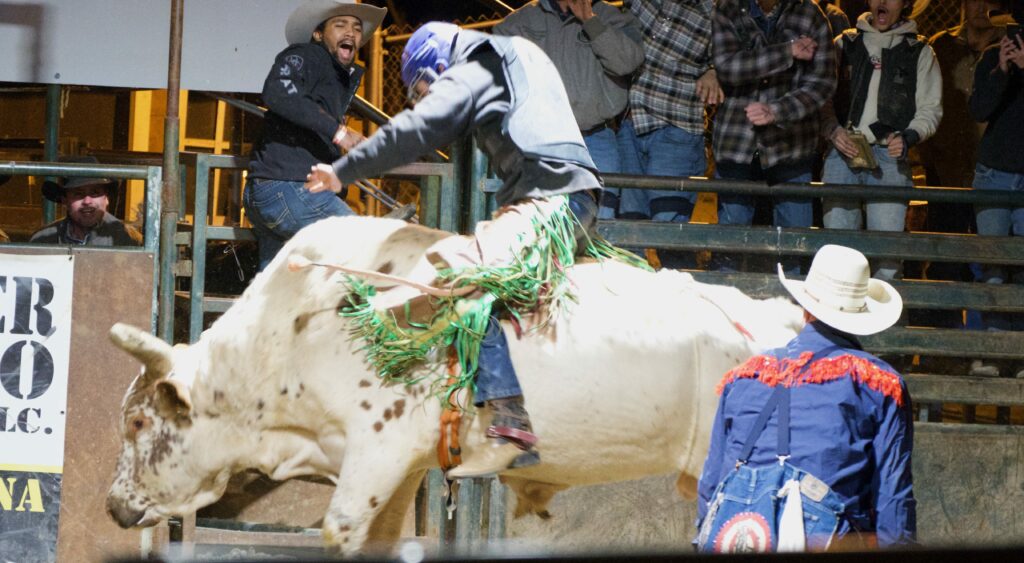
[
  {"x": 305, "y": 19},
  {"x": 883, "y": 306}
]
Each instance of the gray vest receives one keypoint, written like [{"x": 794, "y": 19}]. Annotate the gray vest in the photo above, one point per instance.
[{"x": 540, "y": 124}]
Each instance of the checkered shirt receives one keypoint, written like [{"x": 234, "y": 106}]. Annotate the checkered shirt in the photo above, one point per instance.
[
  {"x": 752, "y": 67},
  {"x": 677, "y": 51}
]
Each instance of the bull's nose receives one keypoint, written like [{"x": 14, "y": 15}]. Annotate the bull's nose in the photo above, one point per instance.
[{"x": 124, "y": 515}]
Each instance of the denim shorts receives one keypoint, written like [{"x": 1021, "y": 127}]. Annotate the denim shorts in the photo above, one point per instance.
[{"x": 745, "y": 510}]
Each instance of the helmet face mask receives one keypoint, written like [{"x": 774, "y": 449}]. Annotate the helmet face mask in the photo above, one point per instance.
[
  {"x": 416, "y": 92},
  {"x": 425, "y": 57}
]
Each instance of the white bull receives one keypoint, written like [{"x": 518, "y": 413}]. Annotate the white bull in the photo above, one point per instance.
[{"x": 621, "y": 388}]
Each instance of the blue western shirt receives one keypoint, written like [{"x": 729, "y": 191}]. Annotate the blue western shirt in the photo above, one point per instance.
[{"x": 850, "y": 425}]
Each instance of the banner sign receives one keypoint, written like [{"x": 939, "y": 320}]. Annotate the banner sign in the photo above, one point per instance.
[{"x": 35, "y": 341}]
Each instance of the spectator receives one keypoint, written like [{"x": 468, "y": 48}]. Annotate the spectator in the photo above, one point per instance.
[
  {"x": 891, "y": 93},
  {"x": 664, "y": 133},
  {"x": 596, "y": 48},
  {"x": 848, "y": 436},
  {"x": 837, "y": 20},
  {"x": 774, "y": 60},
  {"x": 998, "y": 98},
  {"x": 86, "y": 219},
  {"x": 949, "y": 156},
  {"x": 307, "y": 94}
]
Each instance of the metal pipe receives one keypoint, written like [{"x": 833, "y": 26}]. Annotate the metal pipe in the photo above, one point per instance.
[
  {"x": 52, "y": 139},
  {"x": 171, "y": 179},
  {"x": 74, "y": 170},
  {"x": 697, "y": 184}
]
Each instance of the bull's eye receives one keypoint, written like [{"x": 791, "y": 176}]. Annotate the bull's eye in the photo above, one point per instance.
[{"x": 136, "y": 425}]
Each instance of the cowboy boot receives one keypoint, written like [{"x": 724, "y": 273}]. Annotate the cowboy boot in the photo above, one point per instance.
[{"x": 510, "y": 442}]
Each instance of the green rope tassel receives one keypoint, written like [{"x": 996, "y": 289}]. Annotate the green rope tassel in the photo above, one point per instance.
[{"x": 535, "y": 281}]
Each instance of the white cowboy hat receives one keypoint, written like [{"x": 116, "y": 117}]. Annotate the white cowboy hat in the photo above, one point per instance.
[
  {"x": 311, "y": 13},
  {"x": 840, "y": 292}
]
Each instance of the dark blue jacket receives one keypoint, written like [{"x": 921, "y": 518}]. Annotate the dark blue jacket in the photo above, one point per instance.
[{"x": 307, "y": 93}]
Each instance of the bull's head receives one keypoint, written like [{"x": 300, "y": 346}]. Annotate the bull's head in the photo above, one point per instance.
[{"x": 163, "y": 471}]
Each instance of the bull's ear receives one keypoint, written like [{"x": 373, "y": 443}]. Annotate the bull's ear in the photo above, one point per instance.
[
  {"x": 173, "y": 398},
  {"x": 154, "y": 353}
]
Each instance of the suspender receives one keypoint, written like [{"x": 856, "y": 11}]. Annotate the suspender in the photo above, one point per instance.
[{"x": 780, "y": 399}]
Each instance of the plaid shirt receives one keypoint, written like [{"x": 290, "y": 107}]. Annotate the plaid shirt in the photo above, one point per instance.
[
  {"x": 677, "y": 51},
  {"x": 753, "y": 67}
]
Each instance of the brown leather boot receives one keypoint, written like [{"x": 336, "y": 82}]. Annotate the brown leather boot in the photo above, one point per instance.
[{"x": 510, "y": 444}]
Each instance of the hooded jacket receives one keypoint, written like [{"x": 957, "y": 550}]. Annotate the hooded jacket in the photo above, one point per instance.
[
  {"x": 895, "y": 65},
  {"x": 595, "y": 58},
  {"x": 506, "y": 92}
]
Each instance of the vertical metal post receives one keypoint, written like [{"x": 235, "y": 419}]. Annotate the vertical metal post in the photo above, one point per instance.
[
  {"x": 497, "y": 510},
  {"x": 52, "y": 139},
  {"x": 151, "y": 239},
  {"x": 477, "y": 196},
  {"x": 430, "y": 201},
  {"x": 198, "y": 292},
  {"x": 449, "y": 200},
  {"x": 169, "y": 216},
  {"x": 467, "y": 517}
]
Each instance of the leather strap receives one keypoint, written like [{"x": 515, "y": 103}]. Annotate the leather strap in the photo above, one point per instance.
[{"x": 449, "y": 449}]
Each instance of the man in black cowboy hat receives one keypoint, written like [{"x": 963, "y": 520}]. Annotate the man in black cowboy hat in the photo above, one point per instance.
[
  {"x": 86, "y": 220},
  {"x": 307, "y": 93}
]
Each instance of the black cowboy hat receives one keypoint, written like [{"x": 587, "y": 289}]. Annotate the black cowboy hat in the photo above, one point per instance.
[{"x": 54, "y": 191}]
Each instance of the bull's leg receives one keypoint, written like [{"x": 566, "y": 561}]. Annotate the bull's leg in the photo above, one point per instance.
[
  {"x": 387, "y": 526},
  {"x": 366, "y": 485}
]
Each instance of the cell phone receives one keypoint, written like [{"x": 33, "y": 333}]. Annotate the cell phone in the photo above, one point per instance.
[{"x": 1014, "y": 31}]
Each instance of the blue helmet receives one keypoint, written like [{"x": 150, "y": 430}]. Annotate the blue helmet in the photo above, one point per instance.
[{"x": 429, "y": 46}]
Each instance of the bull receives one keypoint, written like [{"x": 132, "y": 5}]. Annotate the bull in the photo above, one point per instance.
[{"x": 620, "y": 387}]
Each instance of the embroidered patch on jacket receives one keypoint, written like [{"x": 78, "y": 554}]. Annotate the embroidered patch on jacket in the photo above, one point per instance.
[
  {"x": 747, "y": 532},
  {"x": 295, "y": 61},
  {"x": 795, "y": 371}
]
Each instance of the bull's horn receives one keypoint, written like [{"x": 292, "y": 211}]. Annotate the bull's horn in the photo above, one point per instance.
[{"x": 154, "y": 353}]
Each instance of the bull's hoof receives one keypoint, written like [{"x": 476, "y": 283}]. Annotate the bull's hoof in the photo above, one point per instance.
[{"x": 488, "y": 460}]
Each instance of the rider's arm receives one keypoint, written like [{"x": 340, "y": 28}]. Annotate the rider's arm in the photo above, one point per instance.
[{"x": 438, "y": 119}]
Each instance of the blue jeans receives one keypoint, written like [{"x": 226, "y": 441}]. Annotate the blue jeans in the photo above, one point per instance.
[
  {"x": 999, "y": 222},
  {"x": 604, "y": 150},
  {"x": 753, "y": 490},
  {"x": 277, "y": 210},
  {"x": 496, "y": 377},
  {"x": 738, "y": 209},
  {"x": 881, "y": 215},
  {"x": 669, "y": 151}
]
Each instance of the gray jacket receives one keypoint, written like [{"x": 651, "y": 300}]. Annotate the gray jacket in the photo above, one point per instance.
[
  {"x": 506, "y": 92},
  {"x": 596, "y": 59}
]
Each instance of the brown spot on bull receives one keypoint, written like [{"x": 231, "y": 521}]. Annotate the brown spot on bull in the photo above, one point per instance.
[
  {"x": 386, "y": 268},
  {"x": 378, "y": 426},
  {"x": 345, "y": 528},
  {"x": 366, "y": 406},
  {"x": 387, "y": 415},
  {"x": 259, "y": 404},
  {"x": 373, "y": 502},
  {"x": 218, "y": 396},
  {"x": 364, "y": 383},
  {"x": 284, "y": 390},
  {"x": 301, "y": 321},
  {"x": 399, "y": 407}
]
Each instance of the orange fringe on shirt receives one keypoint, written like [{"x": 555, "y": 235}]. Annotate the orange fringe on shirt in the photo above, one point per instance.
[{"x": 792, "y": 372}]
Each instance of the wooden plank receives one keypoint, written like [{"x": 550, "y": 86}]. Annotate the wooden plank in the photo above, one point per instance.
[
  {"x": 946, "y": 342},
  {"x": 964, "y": 389},
  {"x": 770, "y": 240},
  {"x": 917, "y": 294}
]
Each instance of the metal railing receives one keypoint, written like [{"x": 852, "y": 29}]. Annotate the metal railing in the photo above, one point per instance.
[{"x": 151, "y": 226}]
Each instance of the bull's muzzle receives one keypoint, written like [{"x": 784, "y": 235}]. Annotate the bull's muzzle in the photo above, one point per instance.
[{"x": 125, "y": 515}]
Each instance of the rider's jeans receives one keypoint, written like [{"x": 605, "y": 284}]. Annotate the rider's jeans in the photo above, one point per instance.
[{"x": 495, "y": 377}]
